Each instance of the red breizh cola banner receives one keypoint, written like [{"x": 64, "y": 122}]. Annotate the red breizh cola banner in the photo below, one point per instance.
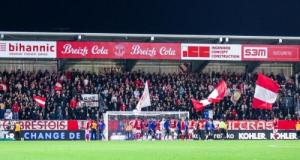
[{"x": 118, "y": 50}]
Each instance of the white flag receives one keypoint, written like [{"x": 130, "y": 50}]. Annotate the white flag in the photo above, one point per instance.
[{"x": 145, "y": 99}]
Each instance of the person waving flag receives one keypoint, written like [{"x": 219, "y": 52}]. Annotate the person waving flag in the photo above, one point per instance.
[
  {"x": 145, "y": 98},
  {"x": 215, "y": 96}
]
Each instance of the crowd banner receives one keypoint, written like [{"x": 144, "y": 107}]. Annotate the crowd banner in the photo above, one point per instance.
[
  {"x": 118, "y": 50},
  {"x": 261, "y": 125},
  {"x": 226, "y": 52},
  {"x": 270, "y": 53},
  {"x": 28, "y": 49},
  {"x": 90, "y": 100},
  {"x": 36, "y": 124}
]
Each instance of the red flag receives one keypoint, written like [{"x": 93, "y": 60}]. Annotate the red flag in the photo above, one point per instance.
[
  {"x": 3, "y": 87},
  {"x": 41, "y": 101},
  {"x": 215, "y": 96},
  {"x": 266, "y": 92},
  {"x": 58, "y": 86},
  {"x": 198, "y": 106}
]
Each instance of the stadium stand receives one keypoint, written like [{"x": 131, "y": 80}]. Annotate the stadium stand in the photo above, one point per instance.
[{"x": 120, "y": 91}]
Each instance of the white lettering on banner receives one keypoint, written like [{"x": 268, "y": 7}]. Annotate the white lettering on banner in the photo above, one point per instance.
[
  {"x": 99, "y": 50},
  {"x": 137, "y": 50},
  {"x": 220, "y": 136},
  {"x": 284, "y": 136},
  {"x": 74, "y": 135},
  {"x": 37, "y": 125},
  {"x": 167, "y": 51},
  {"x": 90, "y": 100},
  {"x": 69, "y": 49},
  {"x": 44, "y": 136},
  {"x": 28, "y": 49},
  {"x": 282, "y": 53},
  {"x": 52, "y": 135},
  {"x": 255, "y": 52},
  {"x": 252, "y": 136},
  {"x": 250, "y": 125}
]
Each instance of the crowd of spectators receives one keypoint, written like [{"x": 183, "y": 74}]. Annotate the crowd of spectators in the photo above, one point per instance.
[{"x": 120, "y": 91}]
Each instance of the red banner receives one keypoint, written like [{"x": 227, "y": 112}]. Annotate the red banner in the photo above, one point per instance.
[
  {"x": 114, "y": 124},
  {"x": 270, "y": 53},
  {"x": 287, "y": 124},
  {"x": 36, "y": 125},
  {"x": 250, "y": 125},
  {"x": 118, "y": 50}
]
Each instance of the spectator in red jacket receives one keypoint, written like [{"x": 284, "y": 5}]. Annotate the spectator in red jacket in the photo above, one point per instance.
[
  {"x": 15, "y": 110},
  {"x": 73, "y": 103}
]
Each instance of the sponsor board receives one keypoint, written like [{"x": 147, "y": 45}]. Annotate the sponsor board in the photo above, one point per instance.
[
  {"x": 7, "y": 135},
  {"x": 270, "y": 53},
  {"x": 52, "y": 135},
  {"x": 118, "y": 50},
  {"x": 257, "y": 135},
  {"x": 27, "y": 49},
  {"x": 211, "y": 52}
]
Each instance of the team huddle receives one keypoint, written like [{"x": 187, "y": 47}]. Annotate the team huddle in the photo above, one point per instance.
[{"x": 171, "y": 129}]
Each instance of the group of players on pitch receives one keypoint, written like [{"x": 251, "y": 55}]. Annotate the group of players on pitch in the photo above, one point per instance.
[{"x": 171, "y": 129}]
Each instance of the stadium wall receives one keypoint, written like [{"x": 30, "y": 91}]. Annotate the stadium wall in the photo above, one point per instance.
[
  {"x": 92, "y": 65},
  {"x": 157, "y": 66},
  {"x": 28, "y": 65},
  {"x": 276, "y": 68},
  {"x": 237, "y": 67}
]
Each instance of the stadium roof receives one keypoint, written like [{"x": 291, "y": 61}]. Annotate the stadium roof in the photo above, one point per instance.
[{"x": 226, "y": 39}]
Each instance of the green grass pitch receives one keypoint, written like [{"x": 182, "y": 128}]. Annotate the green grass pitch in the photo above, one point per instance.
[{"x": 150, "y": 150}]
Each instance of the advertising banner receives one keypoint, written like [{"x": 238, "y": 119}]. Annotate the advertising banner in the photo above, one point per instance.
[
  {"x": 211, "y": 52},
  {"x": 27, "y": 49},
  {"x": 118, "y": 50},
  {"x": 270, "y": 53},
  {"x": 6, "y": 135},
  {"x": 257, "y": 135},
  {"x": 52, "y": 135}
]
